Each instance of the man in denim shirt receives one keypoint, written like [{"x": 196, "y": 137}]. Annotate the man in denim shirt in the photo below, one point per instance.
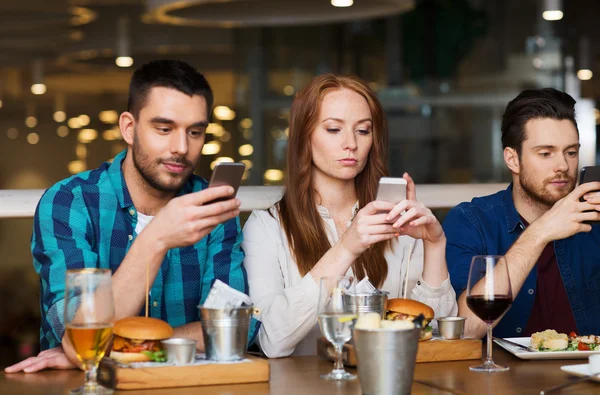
[{"x": 537, "y": 223}]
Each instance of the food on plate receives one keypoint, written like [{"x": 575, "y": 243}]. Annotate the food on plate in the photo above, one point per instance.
[
  {"x": 137, "y": 339},
  {"x": 583, "y": 343},
  {"x": 549, "y": 340},
  {"x": 407, "y": 310}
]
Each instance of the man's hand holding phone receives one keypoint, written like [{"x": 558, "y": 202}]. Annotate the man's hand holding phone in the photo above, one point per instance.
[
  {"x": 570, "y": 215},
  {"x": 187, "y": 219}
]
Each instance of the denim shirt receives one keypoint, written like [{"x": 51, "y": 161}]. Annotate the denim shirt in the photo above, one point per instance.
[{"x": 489, "y": 225}]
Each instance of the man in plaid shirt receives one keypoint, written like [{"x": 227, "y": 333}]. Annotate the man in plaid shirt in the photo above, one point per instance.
[{"x": 144, "y": 208}]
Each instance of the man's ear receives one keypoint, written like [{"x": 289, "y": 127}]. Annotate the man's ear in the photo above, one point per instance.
[
  {"x": 126, "y": 125},
  {"x": 511, "y": 158}
]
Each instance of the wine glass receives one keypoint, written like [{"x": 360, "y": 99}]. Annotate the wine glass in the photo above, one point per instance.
[
  {"x": 336, "y": 316},
  {"x": 489, "y": 296},
  {"x": 89, "y": 316}
]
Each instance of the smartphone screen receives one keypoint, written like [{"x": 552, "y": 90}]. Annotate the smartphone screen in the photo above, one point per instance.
[{"x": 227, "y": 173}]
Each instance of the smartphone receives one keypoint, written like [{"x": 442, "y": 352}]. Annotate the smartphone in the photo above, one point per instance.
[
  {"x": 227, "y": 173},
  {"x": 391, "y": 189},
  {"x": 589, "y": 174}
]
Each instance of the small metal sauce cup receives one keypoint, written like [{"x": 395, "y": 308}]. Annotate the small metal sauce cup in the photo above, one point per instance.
[
  {"x": 451, "y": 327},
  {"x": 180, "y": 351}
]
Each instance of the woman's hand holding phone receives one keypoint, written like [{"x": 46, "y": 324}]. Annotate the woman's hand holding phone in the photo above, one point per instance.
[
  {"x": 412, "y": 218},
  {"x": 369, "y": 227}
]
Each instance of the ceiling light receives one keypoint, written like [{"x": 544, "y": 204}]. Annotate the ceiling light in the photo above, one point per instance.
[
  {"x": 585, "y": 74},
  {"x": 31, "y": 121},
  {"x": 37, "y": 78},
  {"x": 211, "y": 148},
  {"x": 124, "y": 58},
  {"x": 74, "y": 123},
  {"x": 246, "y": 150},
  {"x": 224, "y": 113},
  {"x": 112, "y": 134},
  {"x": 225, "y": 137},
  {"x": 552, "y": 10},
  {"x": 60, "y": 116},
  {"x": 33, "y": 138},
  {"x": 585, "y": 59},
  {"x": 274, "y": 175},
  {"x": 87, "y": 135},
  {"x": 76, "y": 166},
  {"x": 84, "y": 119},
  {"x": 124, "y": 61},
  {"x": 248, "y": 163},
  {"x": 38, "y": 89},
  {"x": 246, "y": 123},
  {"x": 109, "y": 116},
  {"x": 215, "y": 129},
  {"x": 342, "y": 3},
  {"x": 81, "y": 151},
  {"x": 12, "y": 133},
  {"x": 288, "y": 90},
  {"x": 62, "y": 131}
]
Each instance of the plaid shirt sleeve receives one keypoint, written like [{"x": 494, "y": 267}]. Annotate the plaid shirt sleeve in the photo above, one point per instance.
[
  {"x": 224, "y": 262},
  {"x": 61, "y": 241}
]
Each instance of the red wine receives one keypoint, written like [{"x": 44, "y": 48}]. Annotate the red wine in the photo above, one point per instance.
[{"x": 489, "y": 310}]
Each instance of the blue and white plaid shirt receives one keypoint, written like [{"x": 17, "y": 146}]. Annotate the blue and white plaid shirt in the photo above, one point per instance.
[{"x": 89, "y": 220}]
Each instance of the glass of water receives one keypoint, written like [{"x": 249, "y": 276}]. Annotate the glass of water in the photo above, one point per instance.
[{"x": 336, "y": 317}]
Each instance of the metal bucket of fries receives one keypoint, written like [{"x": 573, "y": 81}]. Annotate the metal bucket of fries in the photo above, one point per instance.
[
  {"x": 225, "y": 332},
  {"x": 386, "y": 360},
  {"x": 368, "y": 302}
]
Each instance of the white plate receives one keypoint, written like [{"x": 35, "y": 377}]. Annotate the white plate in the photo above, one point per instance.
[
  {"x": 580, "y": 370},
  {"x": 526, "y": 341}
]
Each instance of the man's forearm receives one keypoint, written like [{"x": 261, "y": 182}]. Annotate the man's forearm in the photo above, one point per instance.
[
  {"x": 129, "y": 281},
  {"x": 192, "y": 331},
  {"x": 520, "y": 258}
]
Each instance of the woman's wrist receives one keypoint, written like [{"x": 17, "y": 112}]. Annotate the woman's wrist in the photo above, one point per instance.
[{"x": 440, "y": 243}]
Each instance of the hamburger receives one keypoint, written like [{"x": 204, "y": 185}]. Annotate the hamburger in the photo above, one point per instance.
[
  {"x": 408, "y": 309},
  {"x": 137, "y": 339}
]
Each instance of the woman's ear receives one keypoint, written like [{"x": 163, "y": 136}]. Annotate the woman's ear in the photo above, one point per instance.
[
  {"x": 511, "y": 158},
  {"x": 127, "y": 125}
]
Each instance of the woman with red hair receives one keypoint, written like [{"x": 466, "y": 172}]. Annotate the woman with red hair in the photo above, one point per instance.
[{"x": 328, "y": 224}]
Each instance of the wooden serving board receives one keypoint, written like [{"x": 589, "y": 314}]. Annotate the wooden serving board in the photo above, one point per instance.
[
  {"x": 120, "y": 377},
  {"x": 435, "y": 350}
]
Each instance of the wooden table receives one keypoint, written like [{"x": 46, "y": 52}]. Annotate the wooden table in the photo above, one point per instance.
[{"x": 300, "y": 375}]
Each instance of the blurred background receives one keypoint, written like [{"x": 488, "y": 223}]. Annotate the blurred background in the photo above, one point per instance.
[{"x": 443, "y": 69}]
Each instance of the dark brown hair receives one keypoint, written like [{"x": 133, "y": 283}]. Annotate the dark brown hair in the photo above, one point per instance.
[
  {"x": 534, "y": 104},
  {"x": 173, "y": 74},
  {"x": 300, "y": 219}
]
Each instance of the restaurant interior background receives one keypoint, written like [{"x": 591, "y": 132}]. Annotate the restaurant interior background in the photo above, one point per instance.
[{"x": 443, "y": 69}]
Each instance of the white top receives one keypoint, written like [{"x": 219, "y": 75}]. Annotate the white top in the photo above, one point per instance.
[
  {"x": 142, "y": 221},
  {"x": 288, "y": 301}
]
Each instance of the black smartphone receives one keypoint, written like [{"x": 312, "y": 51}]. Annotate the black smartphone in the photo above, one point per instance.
[
  {"x": 589, "y": 174},
  {"x": 227, "y": 173}
]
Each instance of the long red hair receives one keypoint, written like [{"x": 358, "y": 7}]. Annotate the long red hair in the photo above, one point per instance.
[{"x": 300, "y": 219}]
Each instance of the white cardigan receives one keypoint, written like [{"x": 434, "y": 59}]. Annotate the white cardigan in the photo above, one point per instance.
[{"x": 288, "y": 302}]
